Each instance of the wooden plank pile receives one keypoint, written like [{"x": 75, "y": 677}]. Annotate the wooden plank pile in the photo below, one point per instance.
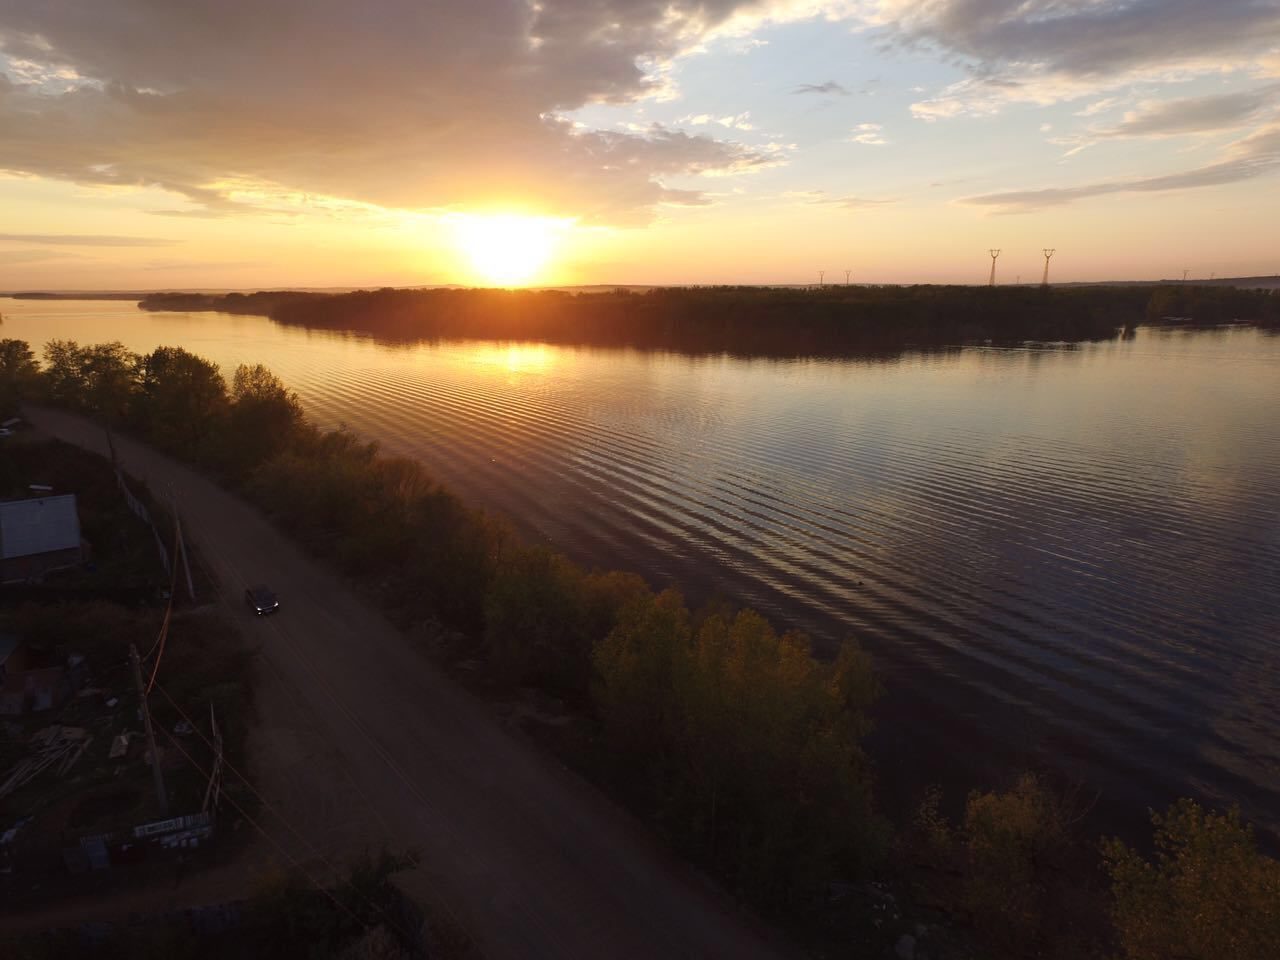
[{"x": 56, "y": 747}]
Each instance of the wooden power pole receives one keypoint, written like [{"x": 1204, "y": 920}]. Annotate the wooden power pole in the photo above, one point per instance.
[{"x": 161, "y": 796}]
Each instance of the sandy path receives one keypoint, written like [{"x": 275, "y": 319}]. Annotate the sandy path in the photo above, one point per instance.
[{"x": 361, "y": 738}]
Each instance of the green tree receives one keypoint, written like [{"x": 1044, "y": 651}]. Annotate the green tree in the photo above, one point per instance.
[
  {"x": 1009, "y": 840},
  {"x": 100, "y": 380},
  {"x": 63, "y": 373},
  {"x": 18, "y": 373},
  {"x": 265, "y": 417},
  {"x": 747, "y": 748},
  {"x": 181, "y": 399},
  {"x": 544, "y": 615},
  {"x": 1209, "y": 894}
]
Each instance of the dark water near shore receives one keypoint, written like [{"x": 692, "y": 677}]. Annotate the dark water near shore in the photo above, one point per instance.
[{"x": 1059, "y": 556}]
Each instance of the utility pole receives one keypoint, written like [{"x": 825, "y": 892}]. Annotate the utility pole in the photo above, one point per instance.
[
  {"x": 995, "y": 255},
  {"x": 846, "y": 277},
  {"x": 151, "y": 736},
  {"x": 1184, "y": 275},
  {"x": 821, "y": 275},
  {"x": 1048, "y": 255}
]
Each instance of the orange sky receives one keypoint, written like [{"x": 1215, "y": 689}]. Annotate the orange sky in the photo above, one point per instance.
[{"x": 572, "y": 143}]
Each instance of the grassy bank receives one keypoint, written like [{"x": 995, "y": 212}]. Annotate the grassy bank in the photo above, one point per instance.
[{"x": 725, "y": 733}]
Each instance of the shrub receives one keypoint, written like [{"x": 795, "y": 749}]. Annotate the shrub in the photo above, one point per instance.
[
  {"x": 747, "y": 749},
  {"x": 1209, "y": 894},
  {"x": 1008, "y": 839}
]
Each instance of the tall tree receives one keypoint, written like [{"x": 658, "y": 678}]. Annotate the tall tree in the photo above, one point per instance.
[
  {"x": 265, "y": 416},
  {"x": 18, "y": 373},
  {"x": 181, "y": 400}
]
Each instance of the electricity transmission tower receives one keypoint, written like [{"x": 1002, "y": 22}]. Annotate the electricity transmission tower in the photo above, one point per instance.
[
  {"x": 1048, "y": 255},
  {"x": 821, "y": 275},
  {"x": 995, "y": 255},
  {"x": 846, "y": 277}
]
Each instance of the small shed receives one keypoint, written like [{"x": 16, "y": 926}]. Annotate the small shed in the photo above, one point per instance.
[{"x": 38, "y": 536}]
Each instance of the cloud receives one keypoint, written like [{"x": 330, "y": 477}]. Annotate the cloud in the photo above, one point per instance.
[
  {"x": 829, "y": 87},
  {"x": 393, "y": 103},
  {"x": 1186, "y": 116},
  {"x": 1097, "y": 107},
  {"x": 1045, "y": 51},
  {"x": 860, "y": 203},
  {"x": 1172, "y": 118},
  {"x": 1257, "y": 155},
  {"x": 741, "y": 121},
  {"x": 848, "y": 202},
  {"x": 13, "y": 257},
  {"x": 868, "y": 134},
  {"x": 84, "y": 240}
]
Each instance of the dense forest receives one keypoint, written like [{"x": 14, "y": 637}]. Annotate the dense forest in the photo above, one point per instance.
[
  {"x": 744, "y": 750},
  {"x": 756, "y": 321}
]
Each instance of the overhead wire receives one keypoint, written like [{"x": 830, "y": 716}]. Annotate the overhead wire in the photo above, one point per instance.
[
  {"x": 314, "y": 850},
  {"x": 168, "y": 610},
  {"x": 270, "y": 839},
  {"x": 353, "y": 720}
]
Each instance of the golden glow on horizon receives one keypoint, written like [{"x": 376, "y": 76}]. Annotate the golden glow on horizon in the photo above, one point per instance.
[{"x": 507, "y": 249}]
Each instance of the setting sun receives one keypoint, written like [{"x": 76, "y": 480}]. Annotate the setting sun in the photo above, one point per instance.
[{"x": 507, "y": 249}]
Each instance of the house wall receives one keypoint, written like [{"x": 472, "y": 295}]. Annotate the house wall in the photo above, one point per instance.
[{"x": 37, "y": 565}]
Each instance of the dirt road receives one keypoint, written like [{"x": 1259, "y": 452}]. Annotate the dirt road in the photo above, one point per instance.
[{"x": 361, "y": 739}]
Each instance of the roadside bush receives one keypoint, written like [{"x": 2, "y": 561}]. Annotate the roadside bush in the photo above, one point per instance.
[{"x": 1209, "y": 894}]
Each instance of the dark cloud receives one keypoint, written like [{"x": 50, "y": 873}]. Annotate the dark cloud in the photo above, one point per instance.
[
  {"x": 391, "y": 102},
  {"x": 84, "y": 240},
  {"x": 1255, "y": 156},
  {"x": 1087, "y": 38},
  {"x": 829, "y": 87}
]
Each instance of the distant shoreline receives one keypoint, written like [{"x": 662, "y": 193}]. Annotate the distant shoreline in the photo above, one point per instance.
[
  {"x": 776, "y": 322},
  {"x": 1242, "y": 283}
]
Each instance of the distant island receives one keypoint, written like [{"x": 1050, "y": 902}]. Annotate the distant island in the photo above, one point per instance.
[{"x": 756, "y": 321}]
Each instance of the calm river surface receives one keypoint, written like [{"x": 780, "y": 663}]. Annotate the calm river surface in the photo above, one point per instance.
[{"x": 1059, "y": 556}]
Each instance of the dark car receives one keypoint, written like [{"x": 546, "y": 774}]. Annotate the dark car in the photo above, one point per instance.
[{"x": 261, "y": 600}]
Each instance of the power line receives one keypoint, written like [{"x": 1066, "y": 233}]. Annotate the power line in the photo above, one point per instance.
[
  {"x": 270, "y": 839},
  {"x": 319, "y": 683},
  {"x": 311, "y": 847}
]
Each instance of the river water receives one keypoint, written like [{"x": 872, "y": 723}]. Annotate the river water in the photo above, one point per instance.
[{"x": 1061, "y": 557}]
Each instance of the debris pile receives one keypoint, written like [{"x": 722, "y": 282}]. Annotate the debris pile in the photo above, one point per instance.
[{"x": 57, "y": 747}]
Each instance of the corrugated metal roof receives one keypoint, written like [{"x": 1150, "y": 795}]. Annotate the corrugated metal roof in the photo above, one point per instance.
[{"x": 37, "y": 526}]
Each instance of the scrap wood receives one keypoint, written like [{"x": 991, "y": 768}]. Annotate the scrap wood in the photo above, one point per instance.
[{"x": 73, "y": 756}]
